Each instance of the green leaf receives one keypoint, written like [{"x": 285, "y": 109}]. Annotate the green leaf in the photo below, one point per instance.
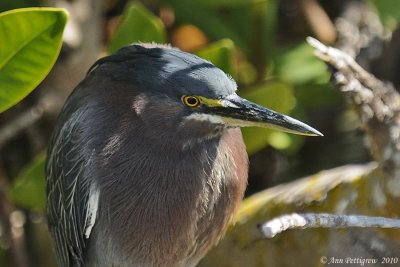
[
  {"x": 276, "y": 96},
  {"x": 28, "y": 189},
  {"x": 298, "y": 65},
  {"x": 221, "y": 54},
  {"x": 30, "y": 41},
  {"x": 138, "y": 25}
]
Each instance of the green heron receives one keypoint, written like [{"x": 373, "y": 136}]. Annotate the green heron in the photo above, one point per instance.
[{"x": 146, "y": 165}]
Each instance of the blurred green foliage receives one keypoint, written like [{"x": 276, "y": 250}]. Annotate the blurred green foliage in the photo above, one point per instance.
[
  {"x": 298, "y": 65},
  {"x": 28, "y": 188},
  {"x": 249, "y": 24},
  {"x": 388, "y": 10},
  {"x": 34, "y": 38},
  {"x": 274, "y": 95},
  {"x": 138, "y": 25}
]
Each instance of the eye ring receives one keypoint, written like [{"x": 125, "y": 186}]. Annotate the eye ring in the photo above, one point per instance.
[{"x": 191, "y": 101}]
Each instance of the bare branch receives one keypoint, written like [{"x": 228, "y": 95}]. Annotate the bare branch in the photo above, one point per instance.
[
  {"x": 20, "y": 123},
  {"x": 323, "y": 220},
  {"x": 48, "y": 104},
  {"x": 377, "y": 103}
]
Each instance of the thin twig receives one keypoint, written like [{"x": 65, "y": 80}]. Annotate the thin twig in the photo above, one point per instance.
[
  {"x": 20, "y": 123},
  {"x": 323, "y": 220},
  {"x": 342, "y": 61},
  {"x": 47, "y": 104}
]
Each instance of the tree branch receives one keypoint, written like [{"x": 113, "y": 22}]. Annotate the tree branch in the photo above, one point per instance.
[
  {"x": 377, "y": 104},
  {"x": 323, "y": 220}
]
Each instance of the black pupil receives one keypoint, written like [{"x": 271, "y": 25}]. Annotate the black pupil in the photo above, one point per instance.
[{"x": 192, "y": 101}]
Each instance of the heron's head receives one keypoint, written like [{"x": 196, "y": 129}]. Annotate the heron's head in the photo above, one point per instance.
[{"x": 180, "y": 95}]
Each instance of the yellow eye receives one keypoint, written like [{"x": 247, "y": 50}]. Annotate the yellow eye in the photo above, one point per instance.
[{"x": 191, "y": 101}]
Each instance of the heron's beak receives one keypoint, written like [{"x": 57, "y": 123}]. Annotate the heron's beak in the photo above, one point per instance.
[{"x": 239, "y": 112}]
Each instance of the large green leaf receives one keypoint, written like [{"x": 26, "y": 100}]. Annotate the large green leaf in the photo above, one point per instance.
[
  {"x": 276, "y": 96},
  {"x": 221, "y": 54},
  {"x": 28, "y": 189},
  {"x": 138, "y": 25},
  {"x": 30, "y": 41}
]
